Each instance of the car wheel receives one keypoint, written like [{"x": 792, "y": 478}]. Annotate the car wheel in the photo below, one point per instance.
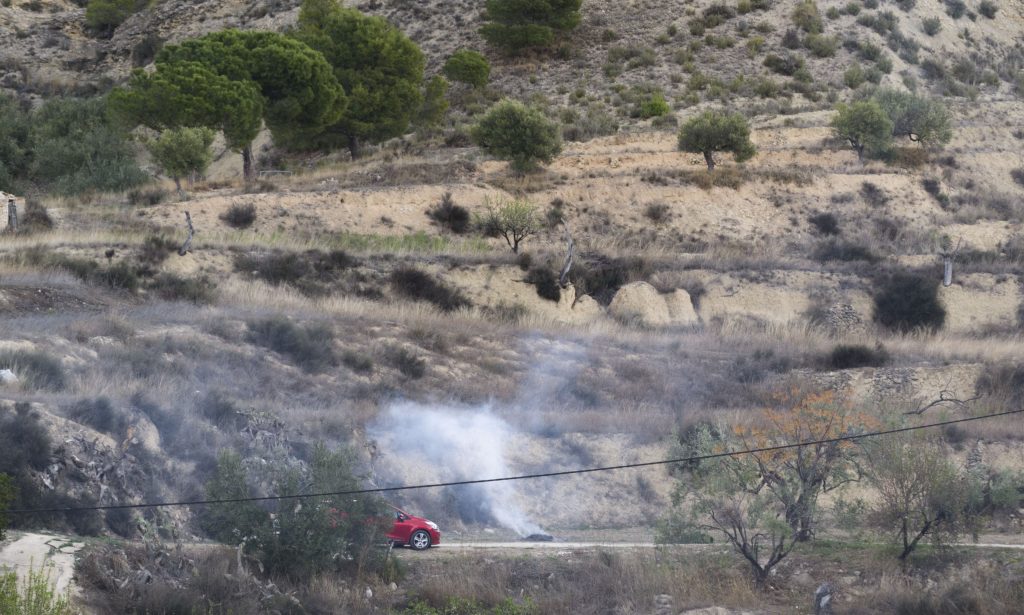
[{"x": 419, "y": 540}]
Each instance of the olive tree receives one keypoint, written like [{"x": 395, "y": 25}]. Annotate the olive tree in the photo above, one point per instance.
[
  {"x": 513, "y": 220},
  {"x": 717, "y": 131},
  {"x": 920, "y": 119},
  {"x": 766, "y": 502},
  {"x": 183, "y": 152},
  {"x": 864, "y": 125},
  {"x": 298, "y": 537},
  {"x": 519, "y": 134},
  {"x": 379, "y": 68},
  {"x": 922, "y": 493}
]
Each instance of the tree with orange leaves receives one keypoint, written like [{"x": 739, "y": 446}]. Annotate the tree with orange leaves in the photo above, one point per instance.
[
  {"x": 765, "y": 502},
  {"x": 798, "y": 476}
]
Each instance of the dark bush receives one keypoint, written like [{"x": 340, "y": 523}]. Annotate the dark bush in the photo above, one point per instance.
[
  {"x": 852, "y": 356},
  {"x": 357, "y": 362},
  {"x": 24, "y": 442},
  {"x": 545, "y": 282},
  {"x": 35, "y": 218},
  {"x": 37, "y": 370},
  {"x": 825, "y": 223},
  {"x": 154, "y": 250},
  {"x": 199, "y": 290},
  {"x": 100, "y": 415},
  {"x": 151, "y": 196},
  {"x": 787, "y": 65},
  {"x": 167, "y": 422},
  {"x": 955, "y": 8},
  {"x": 448, "y": 215},
  {"x": 239, "y": 216},
  {"x": 275, "y": 268},
  {"x": 1018, "y": 176},
  {"x": 1005, "y": 382},
  {"x": 410, "y": 365},
  {"x": 846, "y": 251},
  {"x": 873, "y": 195},
  {"x": 220, "y": 410},
  {"x": 418, "y": 285},
  {"x": 122, "y": 522},
  {"x": 657, "y": 213},
  {"x": 906, "y": 301},
  {"x": 988, "y": 8},
  {"x": 311, "y": 346},
  {"x": 600, "y": 277},
  {"x": 145, "y": 50},
  {"x": 119, "y": 276}
]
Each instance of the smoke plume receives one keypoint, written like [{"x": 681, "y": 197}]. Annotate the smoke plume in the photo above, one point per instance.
[{"x": 436, "y": 443}]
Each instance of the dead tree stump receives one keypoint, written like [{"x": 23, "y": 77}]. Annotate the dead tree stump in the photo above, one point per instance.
[{"x": 12, "y": 216}]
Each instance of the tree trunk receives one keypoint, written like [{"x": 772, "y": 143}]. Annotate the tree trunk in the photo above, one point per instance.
[
  {"x": 860, "y": 153},
  {"x": 353, "y": 146},
  {"x": 709, "y": 157},
  {"x": 177, "y": 184},
  {"x": 247, "y": 167}
]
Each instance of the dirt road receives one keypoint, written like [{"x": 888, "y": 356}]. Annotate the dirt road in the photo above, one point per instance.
[{"x": 55, "y": 554}]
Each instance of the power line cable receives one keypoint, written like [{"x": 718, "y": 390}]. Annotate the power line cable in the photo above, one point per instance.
[{"x": 480, "y": 481}]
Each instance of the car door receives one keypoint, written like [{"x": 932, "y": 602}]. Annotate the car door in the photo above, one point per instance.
[{"x": 402, "y": 529}]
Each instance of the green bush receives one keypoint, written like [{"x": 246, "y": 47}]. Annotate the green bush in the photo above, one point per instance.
[
  {"x": 310, "y": 346},
  {"x": 988, "y": 8},
  {"x": 822, "y": 46},
  {"x": 519, "y": 134},
  {"x": 77, "y": 148},
  {"x": 907, "y": 301},
  {"x": 807, "y": 18},
  {"x": 33, "y": 596},
  {"x": 467, "y": 66},
  {"x": 104, "y": 16},
  {"x": 183, "y": 152},
  {"x": 517, "y": 25},
  {"x": 655, "y": 106}
]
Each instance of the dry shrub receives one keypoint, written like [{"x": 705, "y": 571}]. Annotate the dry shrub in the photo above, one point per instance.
[{"x": 240, "y": 216}]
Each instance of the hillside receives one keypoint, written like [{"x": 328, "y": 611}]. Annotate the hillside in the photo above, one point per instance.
[{"x": 323, "y": 303}]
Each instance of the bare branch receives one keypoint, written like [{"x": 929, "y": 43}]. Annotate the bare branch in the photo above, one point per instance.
[
  {"x": 563, "y": 278},
  {"x": 945, "y": 397}
]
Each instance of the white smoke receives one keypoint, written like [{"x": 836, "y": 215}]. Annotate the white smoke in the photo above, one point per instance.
[{"x": 436, "y": 443}]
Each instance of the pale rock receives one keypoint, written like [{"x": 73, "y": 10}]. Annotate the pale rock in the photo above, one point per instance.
[
  {"x": 680, "y": 308},
  {"x": 642, "y": 303},
  {"x": 7, "y": 377}
]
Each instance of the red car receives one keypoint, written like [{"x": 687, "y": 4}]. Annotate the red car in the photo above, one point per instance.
[{"x": 414, "y": 531}]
